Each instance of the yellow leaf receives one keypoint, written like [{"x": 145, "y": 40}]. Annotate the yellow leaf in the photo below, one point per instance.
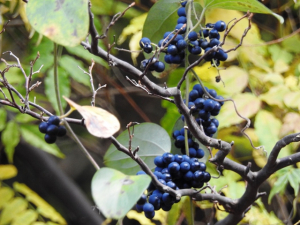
[
  {"x": 25, "y": 218},
  {"x": 134, "y": 45},
  {"x": 6, "y": 194},
  {"x": 205, "y": 73},
  {"x": 7, "y": 171},
  {"x": 43, "y": 207},
  {"x": 140, "y": 217},
  {"x": 291, "y": 124},
  {"x": 11, "y": 209},
  {"x": 98, "y": 122},
  {"x": 259, "y": 158}
]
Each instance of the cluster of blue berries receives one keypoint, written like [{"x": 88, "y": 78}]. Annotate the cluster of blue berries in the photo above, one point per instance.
[
  {"x": 177, "y": 172},
  {"x": 175, "y": 50},
  {"x": 52, "y": 129},
  {"x": 204, "y": 109}
]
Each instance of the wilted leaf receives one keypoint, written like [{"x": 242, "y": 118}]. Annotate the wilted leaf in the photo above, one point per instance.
[
  {"x": 115, "y": 193},
  {"x": 98, "y": 122},
  {"x": 7, "y": 172},
  {"x": 43, "y": 207},
  {"x": 10, "y": 139},
  {"x": 62, "y": 21},
  {"x": 11, "y": 209},
  {"x": 32, "y": 135},
  {"x": 241, "y": 5},
  {"x": 247, "y": 105},
  {"x": 6, "y": 194},
  {"x": 152, "y": 140}
]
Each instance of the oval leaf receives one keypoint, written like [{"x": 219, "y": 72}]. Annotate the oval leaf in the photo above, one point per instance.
[
  {"x": 6, "y": 194},
  {"x": 115, "y": 193},
  {"x": 152, "y": 140},
  {"x": 7, "y": 171},
  {"x": 98, "y": 122},
  {"x": 11, "y": 209},
  {"x": 241, "y": 5},
  {"x": 63, "y": 21}
]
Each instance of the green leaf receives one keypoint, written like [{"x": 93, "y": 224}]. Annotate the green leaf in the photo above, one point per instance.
[
  {"x": 247, "y": 104},
  {"x": 62, "y": 21},
  {"x": 43, "y": 207},
  {"x": 241, "y": 5},
  {"x": 6, "y": 194},
  {"x": 292, "y": 99},
  {"x": 71, "y": 66},
  {"x": 275, "y": 95},
  {"x": 267, "y": 128},
  {"x": 152, "y": 141},
  {"x": 32, "y": 135},
  {"x": 24, "y": 118},
  {"x": 25, "y": 218},
  {"x": 11, "y": 209},
  {"x": 64, "y": 87},
  {"x": 115, "y": 193},
  {"x": 10, "y": 139},
  {"x": 3, "y": 115},
  {"x": 294, "y": 179}
]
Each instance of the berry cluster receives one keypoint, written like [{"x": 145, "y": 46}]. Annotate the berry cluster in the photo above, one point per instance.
[
  {"x": 177, "y": 172},
  {"x": 52, "y": 129},
  {"x": 194, "y": 42},
  {"x": 203, "y": 108}
]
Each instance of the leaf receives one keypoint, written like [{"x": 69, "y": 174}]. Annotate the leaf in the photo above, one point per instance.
[
  {"x": 25, "y": 218},
  {"x": 71, "y": 66},
  {"x": 32, "y": 135},
  {"x": 7, "y": 172},
  {"x": 140, "y": 217},
  {"x": 10, "y": 139},
  {"x": 267, "y": 128},
  {"x": 241, "y": 5},
  {"x": 247, "y": 105},
  {"x": 294, "y": 179},
  {"x": 235, "y": 190},
  {"x": 11, "y": 209},
  {"x": 98, "y": 122},
  {"x": 24, "y": 118},
  {"x": 291, "y": 123},
  {"x": 292, "y": 99},
  {"x": 3, "y": 115},
  {"x": 64, "y": 87},
  {"x": 115, "y": 193},
  {"x": 62, "y": 21},
  {"x": 152, "y": 140},
  {"x": 6, "y": 194},
  {"x": 275, "y": 95},
  {"x": 43, "y": 207}
]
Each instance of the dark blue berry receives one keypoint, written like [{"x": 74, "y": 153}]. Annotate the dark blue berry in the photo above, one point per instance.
[
  {"x": 62, "y": 131},
  {"x": 54, "y": 120},
  {"x": 202, "y": 166},
  {"x": 159, "y": 66},
  {"x": 174, "y": 167},
  {"x": 181, "y": 11},
  {"x": 204, "y": 44},
  {"x": 148, "y": 208},
  {"x": 139, "y": 208},
  {"x": 200, "y": 153},
  {"x": 185, "y": 167},
  {"x": 142, "y": 200},
  {"x": 168, "y": 199},
  {"x": 144, "y": 41},
  {"x": 181, "y": 19},
  {"x": 196, "y": 50},
  {"x": 179, "y": 26},
  {"x": 215, "y": 121},
  {"x": 141, "y": 172},
  {"x": 209, "y": 25},
  {"x": 212, "y": 92},
  {"x": 220, "y": 26},
  {"x": 198, "y": 175},
  {"x": 178, "y": 158},
  {"x": 220, "y": 98},
  {"x": 199, "y": 89},
  {"x": 214, "y": 42},
  {"x": 172, "y": 49},
  {"x": 168, "y": 59},
  {"x": 148, "y": 48},
  {"x": 43, "y": 127},
  {"x": 204, "y": 114},
  {"x": 192, "y": 36},
  {"x": 155, "y": 201},
  {"x": 204, "y": 33},
  {"x": 206, "y": 177},
  {"x": 188, "y": 176},
  {"x": 50, "y": 139},
  {"x": 52, "y": 129},
  {"x": 159, "y": 161},
  {"x": 221, "y": 55},
  {"x": 181, "y": 44},
  {"x": 213, "y": 34},
  {"x": 208, "y": 105},
  {"x": 175, "y": 59},
  {"x": 210, "y": 55}
]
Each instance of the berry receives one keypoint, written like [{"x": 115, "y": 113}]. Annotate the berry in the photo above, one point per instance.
[
  {"x": 213, "y": 34},
  {"x": 168, "y": 158},
  {"x": 200, "y": 153},
  {"x": 52, "y": 129},
  {"x": 147, "y": 208},
  {"x": 214, "y": 42},
  {"x": 144, "y": 41},
  {"x": 196, "y": 50},
  {"x": 198, "y": 175},
  {"x": 185, "y": 167},
  {"x": 204, "y": 33},
  {"x": 215, "y": 122},
  {"x": 202, "y": 166},
  {"x": 43, "y": 127},
  {"x": 208, "y": 105},
  {"x": 142, "y": 200},
  {"x": 178, "y": 26},
  {"x": 62, "y": 131},
  {"x": 212, "y": 92},
  {"x": 181, "y": 11},
  {"x": 199, "y": 89},
  {"x": 207, "y": 177},
  {"x": 172, "y": 49},
  {"x": 204, "y": 44},
  {"x": 220, "y": 26},
  {"x": 181, "y": 44},
  {"x": 141, "y": 172},
  {"x": 221, "y": 55},
  {"x": 181, "y": 19},
  {"x": 192, "y": 152},
  {"x": 174, "y": 167},
  {"x": 210, "y": 55},
  {"x": 54, "y": 120},
  {"x": 159, "y": 66},
  {"x": 139, "y": 208},
  {"x": 192, "y": 36},
  {"x": 159, "y": 161},
  {"x": 155, "y": 201},
  {"x": 168, "y": 199},
  {"x": 147, "y": 48},
  {"x": 50, "y": 139}
]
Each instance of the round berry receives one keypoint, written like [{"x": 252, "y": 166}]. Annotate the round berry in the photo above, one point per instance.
[
  {"x": 159, "y": 66},
  {"x": 208, "y": 105},
  {"x": 212, "y": 92},
  {"x": 209, "y": 56},
  {"x": 179, "y": 143},
  {"x": 144, "y": 41},
  {"x": 155, "y": 201},
  {"x": 174, "y": 167},
  {"x": 215, "y": 122},
  {"x": 171, "y": 184},
  {"x": 204, "y": 44},
  {"x": 213, "y": 34},
  {"x": 221, "y": 55},
  {"x": 209, "y": 25},
  {"x": 184, "y": 167},
  {"x": 214, "y": 42},
  {"x": 199, "y": 89},
  {"x": 62, "y": 131},
  {"x": 220, "y": 98},
  {"x": 192, "y": 152},
  {"x": 196, "y": 50},
  {"x": 204, "y": 114},
  {"x": 181, "y": 44},
  {"x": 141, "y": 172},
  {"x": 179, "y": 26},
  {"x": 172, "y": 49},
  {"x": 188, "y": 176},
  {"x": 207, "y": 177},
  {"x": 220, "y": 26},
  {"x": 50, "y": 139},
  {"x": 211, "y": 129},
  {"x": 168, "y": 199},
  {"x": 142, "y": 200},
  {"x": 168, "y": 158},
  {"x": 52, "y": 129},
  {"x": 198, "y": 175},
  {"x": 175, "y": 59},
  {"x": 192, "y": 36},
  {"x": 54, "y": 120},
  {"x": 181, "y": 11},
  {"x": 178, "y": 158},
  {"x": 200, "y": 153},
  {"x": 181, "y": 19},
  {"x": 43, "y": 127},
  {"x": 202, "y": 166},
  {"x": 139, "y": 208},
  {"x": 167, "y": 59},
  {"x": 159, "y": 161},
  {"x": 204, "y": 33},
  {"x": 147, "y": 208}
]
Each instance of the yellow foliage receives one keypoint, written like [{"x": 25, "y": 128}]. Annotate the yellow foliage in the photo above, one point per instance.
[
  {"x": 7, "y": 172},
  {"x": 160, "y": 215}
]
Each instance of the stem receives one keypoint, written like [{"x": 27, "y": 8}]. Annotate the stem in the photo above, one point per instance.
[
  {"x": 56, "y": 83},
  {"x": 57, "y": 93}
]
